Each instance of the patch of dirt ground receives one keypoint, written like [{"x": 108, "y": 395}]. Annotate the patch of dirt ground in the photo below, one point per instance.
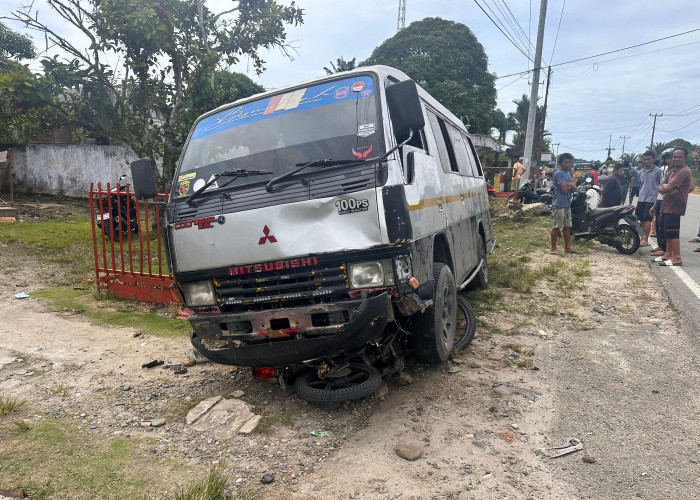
[{"x": 478, "y": 420}]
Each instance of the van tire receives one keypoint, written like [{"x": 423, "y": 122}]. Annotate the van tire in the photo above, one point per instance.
[{"x": 435, "y": 333}]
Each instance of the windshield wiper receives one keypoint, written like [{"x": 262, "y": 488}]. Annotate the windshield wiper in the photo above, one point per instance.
[
  {"x": 324, "y": 162},
  {"x": 234, "y": 173}
]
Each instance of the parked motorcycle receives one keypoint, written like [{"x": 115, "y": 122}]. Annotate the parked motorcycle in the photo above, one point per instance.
[
  {"x": 116, "y": 213},
  {"x": 614, "y": 226},
  {"x": 527, "y": 194}
]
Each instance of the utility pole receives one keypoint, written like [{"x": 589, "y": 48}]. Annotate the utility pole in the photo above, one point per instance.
[
  {"x": 544, "y": 117},
  {"x": 623, "y": 137},
  {"x": 530, "y": 133},
  {"x": 653, "y": 129},
  {"x": 556, "y": 153},
  {"x": 609, "y": 148}
]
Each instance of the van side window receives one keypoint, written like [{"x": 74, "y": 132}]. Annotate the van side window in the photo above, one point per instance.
[
  {"x": 459, "y": 144},
  {"x": 444, "y": 145},
  {"x": 475, "y": 158}
]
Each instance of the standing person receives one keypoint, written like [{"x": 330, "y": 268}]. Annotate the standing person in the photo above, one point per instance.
[
  {"x": 649, "y": 180},
  {"x": 660, "y": 236},
  {"x": 561, "y": 203},
  {"x": 634, "y": 185},
  {"x": 607, "y": 166},
  {"x": 612, "y": 191},
  {"x": 518, "y": 170},
  {"x": 675, "y": 188}
]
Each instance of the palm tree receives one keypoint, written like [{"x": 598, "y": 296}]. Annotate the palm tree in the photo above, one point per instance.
[
  {"x": 518, "y": 122},
  {"x": 340, "y": 65}
]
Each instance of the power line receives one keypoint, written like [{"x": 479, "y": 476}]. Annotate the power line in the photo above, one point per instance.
[
  {"x": 499, "y": 29},
  {"x": 513, "y": 30},
  {"x": 606, "y": 53},
  {"x": 557, "y": 36},
  {"x": 510, "y": 15},
  {"x": 676, "y": 130}
]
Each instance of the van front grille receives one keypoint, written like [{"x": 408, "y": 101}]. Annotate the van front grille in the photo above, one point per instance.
[{"x": 279, "y": 288}]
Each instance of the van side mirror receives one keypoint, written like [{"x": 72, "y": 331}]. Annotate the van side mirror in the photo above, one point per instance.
[
  {"x": 144, "y": 181},
  {"x": 405, "y": 108}
]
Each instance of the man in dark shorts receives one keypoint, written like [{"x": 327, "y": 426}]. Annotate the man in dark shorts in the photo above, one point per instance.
[
  {"x": 660, "y": 234},
  {"x": 649, "y": 180},
  {"x": 612, "y": 191},
  {"x": 635, "y": 182},
  {"x": 675, "y": 188}
]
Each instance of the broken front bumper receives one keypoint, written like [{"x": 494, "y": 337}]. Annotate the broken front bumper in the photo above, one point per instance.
[{"x": 367, "y": 318}]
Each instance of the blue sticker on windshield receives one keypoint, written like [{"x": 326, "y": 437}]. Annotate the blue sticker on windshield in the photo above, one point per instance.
[{"x": 311, "y": 97}]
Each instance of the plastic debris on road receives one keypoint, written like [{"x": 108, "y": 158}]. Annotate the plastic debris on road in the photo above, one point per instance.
[
  {"x": 21, "y": 295},
  {"x": 321, "y": 433}
]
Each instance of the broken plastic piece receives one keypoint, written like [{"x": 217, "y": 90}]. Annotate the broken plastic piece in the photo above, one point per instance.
[
  {"x": 321, "y": 433},
  {"x": 571, "y": 445},
  {"x": 21, "y": 295},
  {"x": 151, "y": 364}
]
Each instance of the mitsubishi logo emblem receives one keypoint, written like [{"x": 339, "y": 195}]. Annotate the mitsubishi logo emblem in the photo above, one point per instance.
[{"x": 268, "y": 236}]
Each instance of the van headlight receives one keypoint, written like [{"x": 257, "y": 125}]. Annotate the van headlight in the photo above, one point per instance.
[
  {"x": 371, "y": 274},
  {"x": 200, "y": 293}
]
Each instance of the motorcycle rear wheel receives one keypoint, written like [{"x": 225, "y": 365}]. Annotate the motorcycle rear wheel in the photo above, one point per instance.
[
  {"x": 362, "y": 381},
  {"x": 465, "y": 325},
  {"x": 627, "y": 239}
]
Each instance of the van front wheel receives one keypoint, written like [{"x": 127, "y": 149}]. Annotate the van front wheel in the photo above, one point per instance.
[{"x": 435, "y": 333}]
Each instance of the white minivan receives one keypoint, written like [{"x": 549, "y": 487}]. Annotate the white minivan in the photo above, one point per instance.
[{"x": 321, "y": 230}]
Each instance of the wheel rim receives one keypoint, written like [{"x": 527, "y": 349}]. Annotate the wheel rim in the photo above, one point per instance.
[
  {"x": 461, "y": 323},
  {"x": 626, "y": 238},
  {"x": 448, "y": 313},
  {"x": 358, "y": 375}
]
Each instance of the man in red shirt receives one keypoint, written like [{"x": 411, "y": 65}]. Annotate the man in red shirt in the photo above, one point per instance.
[{"x": 675, "y": 188}]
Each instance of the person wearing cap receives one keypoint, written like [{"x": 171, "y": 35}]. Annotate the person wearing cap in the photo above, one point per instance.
[{"x": 612, "y": 191}]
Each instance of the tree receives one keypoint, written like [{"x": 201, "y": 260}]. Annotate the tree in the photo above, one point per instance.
[
  {"x": 446, "y": 59},
  {"x": 170, "y": 51},
  {"x": 15, "y": 45},
  {"x": 341, "y": 65},
  {"x": 519, "y": 119}
]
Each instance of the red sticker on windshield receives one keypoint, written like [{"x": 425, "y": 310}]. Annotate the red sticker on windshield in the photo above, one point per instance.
[
  {"x": 363, "y": 154},
  {"x": 358, "y": 87}
]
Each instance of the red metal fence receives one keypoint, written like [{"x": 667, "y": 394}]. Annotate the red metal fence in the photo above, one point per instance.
[{"x": 129, "y": 256}]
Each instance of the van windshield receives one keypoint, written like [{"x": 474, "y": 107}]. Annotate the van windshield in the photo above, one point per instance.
[{"x": 336, "y": 120}]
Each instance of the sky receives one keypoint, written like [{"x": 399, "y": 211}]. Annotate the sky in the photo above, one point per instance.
[{"x": 604, "y": 101}]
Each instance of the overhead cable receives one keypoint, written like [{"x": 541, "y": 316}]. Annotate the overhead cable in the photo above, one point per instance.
[
  {"x": 557, "y": 35},
  {"x": 606, "y": 53},
  {"x": 504, "y": 34}
]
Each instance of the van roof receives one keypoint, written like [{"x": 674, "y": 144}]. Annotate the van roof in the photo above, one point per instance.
[{"x": 382, "y": 71}]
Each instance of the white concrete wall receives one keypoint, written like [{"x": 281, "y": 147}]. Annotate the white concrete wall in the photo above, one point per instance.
[{"x": 67, "y": 170}]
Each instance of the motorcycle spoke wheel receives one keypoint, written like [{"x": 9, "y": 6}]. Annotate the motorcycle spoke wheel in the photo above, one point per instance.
[
  {"x": 465, "y": 324},
  {"x": 362, "y": 381},
  {"x": 627, "y": 239}
]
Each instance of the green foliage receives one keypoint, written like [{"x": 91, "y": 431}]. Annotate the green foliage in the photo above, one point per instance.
[
  {"x": 210, "y": 488},
  {"x": 340, "y": 65},
  {"x": 170, "y": 54},
  {"x": 8, "y": 405},
  {"x": 517, "y": 120},
  {"x": 15, "y": 45},
  {"x": 446, "y": 59}
]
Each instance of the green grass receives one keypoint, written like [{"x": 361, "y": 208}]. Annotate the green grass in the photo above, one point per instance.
[
  {"x": 58, "y": 463},
  {"x": 102, "y": 310},
  {"x": 212, "y": 487},
  {"x": 66, "y": 244},
  {"x": 8, "y": 405}
]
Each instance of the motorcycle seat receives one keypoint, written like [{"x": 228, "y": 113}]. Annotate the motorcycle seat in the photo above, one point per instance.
[
  {"x": 541, "y": 190},
  {"x": 598, "y": 211}
]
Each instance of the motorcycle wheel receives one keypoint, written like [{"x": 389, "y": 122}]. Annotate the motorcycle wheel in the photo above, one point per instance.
[
  {"x": 465, "y": 325},
  {"x": 627, "y": 239},
  {"x": 361, "y": 381},
  {"x": 435, "y": 333}
]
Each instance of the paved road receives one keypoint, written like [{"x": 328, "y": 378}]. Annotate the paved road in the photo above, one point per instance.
[{"x": 683, "y": 283}]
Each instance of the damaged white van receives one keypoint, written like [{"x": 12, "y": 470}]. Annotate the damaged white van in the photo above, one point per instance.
[{"x": 321, "y": 231}]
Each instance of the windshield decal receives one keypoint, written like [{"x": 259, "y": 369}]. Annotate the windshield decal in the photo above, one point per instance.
[
  {"x": 362, "y": 154},
  {"x": 358, "y": 87},
  {"x": 187, "y": 177},
  {"x": 317, "y": 95},
  {"x": 183, "y": 188},
  {"x": 365, "y": 129}
]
